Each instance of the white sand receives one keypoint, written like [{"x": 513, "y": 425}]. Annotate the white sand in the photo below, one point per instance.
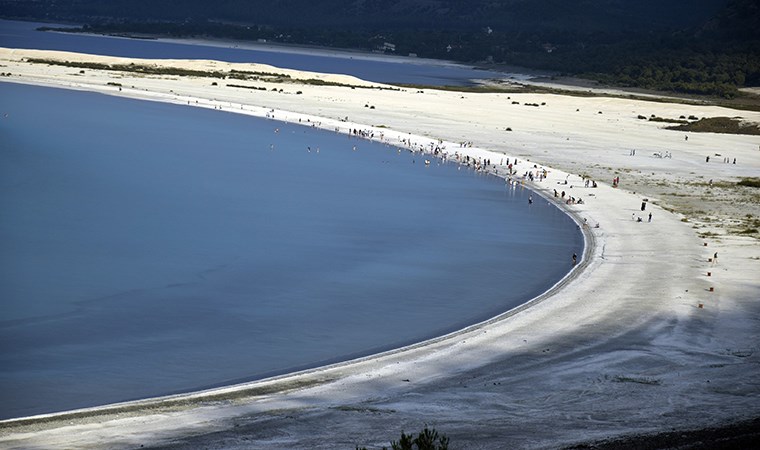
[{"x": 621, "y": 347}]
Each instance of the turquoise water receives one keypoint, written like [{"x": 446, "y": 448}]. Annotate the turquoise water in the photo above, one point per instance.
[{"x": 151, "y": 248}]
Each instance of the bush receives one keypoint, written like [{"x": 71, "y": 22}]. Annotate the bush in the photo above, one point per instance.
[
  {"x": 427, "y": 439},
  {"x": 750, "y": 182},
  {"x": 720, "y": 125}
]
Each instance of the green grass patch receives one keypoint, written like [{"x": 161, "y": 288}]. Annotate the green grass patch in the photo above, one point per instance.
[
  {"x": 750, "y": 182},
  {"x": 725, "y": 125},
  {"x": 663, "y": 119},
  {"x": 477, "y": 89}
]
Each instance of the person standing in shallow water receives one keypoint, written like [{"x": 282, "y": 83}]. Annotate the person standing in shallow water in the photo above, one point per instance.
[{"x": 575, "y": 259}]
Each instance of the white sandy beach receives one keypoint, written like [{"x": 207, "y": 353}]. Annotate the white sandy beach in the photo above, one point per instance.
[{"x": 620, "y": 347}]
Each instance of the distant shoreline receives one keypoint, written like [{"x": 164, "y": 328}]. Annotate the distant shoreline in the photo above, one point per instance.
[{"x": 509, "y": 72}]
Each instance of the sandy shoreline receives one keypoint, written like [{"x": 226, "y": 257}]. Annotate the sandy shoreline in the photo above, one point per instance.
[{"x": 622, "y": 348}]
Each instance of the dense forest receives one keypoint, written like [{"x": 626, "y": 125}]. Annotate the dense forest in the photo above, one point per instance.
[{"x": 707, "y": 47}]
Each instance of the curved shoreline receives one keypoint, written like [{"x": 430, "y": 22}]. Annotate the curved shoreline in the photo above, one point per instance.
[
  {"x": 289, "y": 381},
  {"x": 245, "y": 388},
  {"x": 621, "y": 348}
]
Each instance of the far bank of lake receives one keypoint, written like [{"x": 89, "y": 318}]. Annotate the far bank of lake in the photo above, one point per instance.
[{"x": 378, "y": 68}]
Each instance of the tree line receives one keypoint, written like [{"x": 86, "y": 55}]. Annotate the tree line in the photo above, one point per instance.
[{"x": 705, "y": 48}]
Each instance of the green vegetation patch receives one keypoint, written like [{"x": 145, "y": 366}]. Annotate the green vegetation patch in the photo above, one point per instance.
[
  {"x": 476, "y": 89},
  {"x": 269, "y": 77},
  {"x": 666, "y": 120},
  {"x": 427, "y": 439},
  {"x": 246, "y": 74},
  {"x": 255, "y": 88},
  {"x": 136, "y": 68},
  {"x": 750, "y": 182},
  {"x": 726, "y": 125},
  {"x": 318, "y": 82}
]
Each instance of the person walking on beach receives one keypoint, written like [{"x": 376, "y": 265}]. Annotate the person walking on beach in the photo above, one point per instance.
[
  {"x": 715, "y": 258},
  {"x": 650, "y": 217}
]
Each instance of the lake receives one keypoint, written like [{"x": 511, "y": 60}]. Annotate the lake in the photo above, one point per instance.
[
  {"x": 371, "y": 67},
  {"x": 151, "y": 248}
]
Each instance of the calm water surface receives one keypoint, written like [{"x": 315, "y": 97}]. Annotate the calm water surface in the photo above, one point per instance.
[
  {"x": 150, "y": 248},
  {"x": 14, "y": 34}
]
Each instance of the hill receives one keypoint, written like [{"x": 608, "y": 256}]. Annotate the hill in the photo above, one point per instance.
[{"x": 506, "y": 15}]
